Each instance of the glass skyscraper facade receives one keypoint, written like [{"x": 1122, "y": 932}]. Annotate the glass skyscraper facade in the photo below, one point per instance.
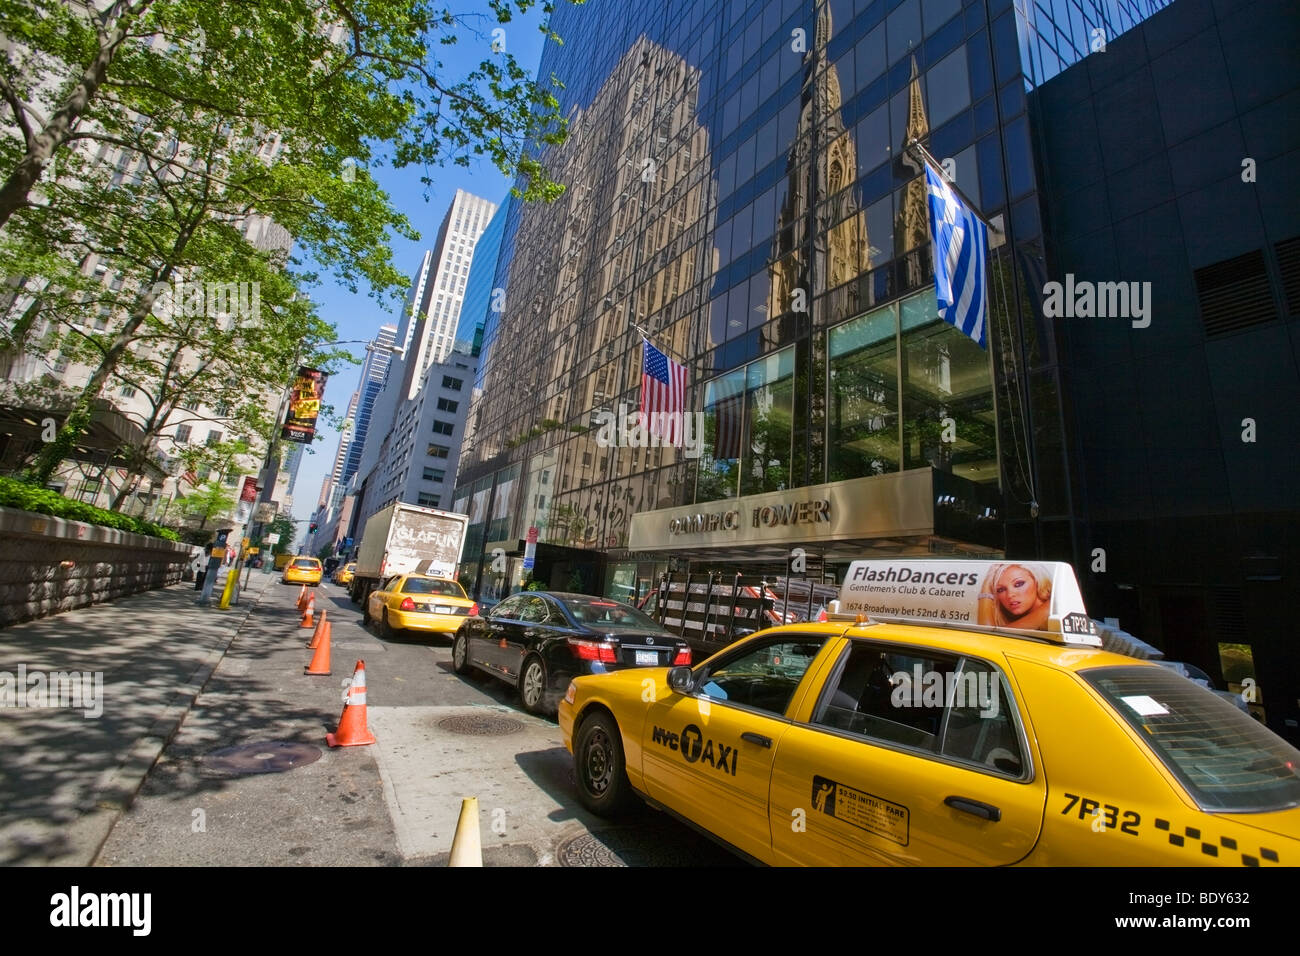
[{"x": 739, "y": 187}]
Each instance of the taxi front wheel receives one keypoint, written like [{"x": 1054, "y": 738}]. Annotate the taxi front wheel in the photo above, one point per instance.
[{"x": 603, "y": 786}]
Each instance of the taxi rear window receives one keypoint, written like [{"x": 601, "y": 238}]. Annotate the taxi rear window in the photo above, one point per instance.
[
  {"x": 1227, "y": 760},
  {"x": 432, "y": 586}
]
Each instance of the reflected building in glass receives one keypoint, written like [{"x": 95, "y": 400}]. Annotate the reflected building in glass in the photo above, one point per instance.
[{"x": 738, "y": 187}]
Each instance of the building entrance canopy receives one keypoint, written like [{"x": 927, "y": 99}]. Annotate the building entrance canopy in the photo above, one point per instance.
[{"x": 882, "y": 514}]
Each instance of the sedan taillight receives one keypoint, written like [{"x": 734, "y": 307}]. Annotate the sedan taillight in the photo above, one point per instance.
[
  {"x": 683, "y": 658},
  {"x": 473, "y": 609},
  {"x": 407, "y": 605},
  {"x": 594, "y": 651}
]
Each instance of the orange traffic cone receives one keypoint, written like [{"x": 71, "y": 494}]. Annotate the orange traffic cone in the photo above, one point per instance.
[
  {"x": 320, "y": 661},
  {"x": 309, "y": 611},
  {"x": 320, "y": 626},
  {"x": 353, "y": 731},
  {"x": 302, "y": 598}
]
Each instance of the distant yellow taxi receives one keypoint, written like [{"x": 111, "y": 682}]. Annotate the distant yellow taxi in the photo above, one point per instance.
[
  {"x": 302, "y": 570},
  {"x": 418, "y": 602},
  {"x": 345, "y": 574},
  {"x": 867, "y": 741}
]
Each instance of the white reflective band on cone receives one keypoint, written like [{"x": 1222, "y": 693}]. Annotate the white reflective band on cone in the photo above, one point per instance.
[
  {"x": 359, "y": 680},
  {"x": 355, "y": 699}
]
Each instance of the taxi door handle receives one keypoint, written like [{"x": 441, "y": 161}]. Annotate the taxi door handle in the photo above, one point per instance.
[
  {"x": 984, "y": 811},
  {"x": 757, "y": 739}
]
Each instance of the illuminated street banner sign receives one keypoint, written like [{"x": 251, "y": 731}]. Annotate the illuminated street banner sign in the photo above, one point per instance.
[{"x": 304, "y": 405}]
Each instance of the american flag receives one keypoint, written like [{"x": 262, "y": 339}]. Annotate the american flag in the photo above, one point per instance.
[
  {"x": 663, "y": 394},
  {"x": 191, "y": 477}
]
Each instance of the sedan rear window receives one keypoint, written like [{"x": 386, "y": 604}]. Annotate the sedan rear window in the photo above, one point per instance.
[
  {"x": 1225, "y": 759},
  {"x": 609, "y": 614},
  {"x": 432, "y": 586},
  {"x": 306, "y": 563}
]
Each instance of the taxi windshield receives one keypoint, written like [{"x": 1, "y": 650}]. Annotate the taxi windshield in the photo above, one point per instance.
[{"x": 1227, "y": 760}]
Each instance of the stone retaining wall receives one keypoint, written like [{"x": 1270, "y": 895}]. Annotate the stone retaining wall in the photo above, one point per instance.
[{"x": 52, "y": 564}]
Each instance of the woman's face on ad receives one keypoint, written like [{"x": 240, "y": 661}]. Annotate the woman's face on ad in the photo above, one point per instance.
[{"x": 1017, "y": 591}]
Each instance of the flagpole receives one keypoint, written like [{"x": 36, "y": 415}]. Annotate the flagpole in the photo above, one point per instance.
[
  {"x": 649, "y": 338},
  {"x": 929, "y": 159}
]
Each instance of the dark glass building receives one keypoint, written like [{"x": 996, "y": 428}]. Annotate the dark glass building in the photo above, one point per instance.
[
  {"x": 739, "y": 188},
  {"x": 1166, "y": 165}
]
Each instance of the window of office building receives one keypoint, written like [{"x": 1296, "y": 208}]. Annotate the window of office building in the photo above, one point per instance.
[
  {"x": 434, "y": 474},
  {"x": 443, "y": 428},
  {"x": 747, "y": 429},
  {"x": 438, "y": 451},
  {"x": 428, "y": 501},
  {"x": 948, "y": 418},
  {"x": 946, "y": 408},
  {"x": 447, "y": 405},
  {"x": 182, "y": 433},
  {"x": 862, "y": 410},
  {"x": 452, "y": 383}
]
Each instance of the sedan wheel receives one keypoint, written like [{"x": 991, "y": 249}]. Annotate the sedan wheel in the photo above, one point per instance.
[
  {"x": 532, "y": 685},
  {"x": 385, "y": 629},
  {"x": 460, "y": 654},
  {"x": 603, "y": 786}
]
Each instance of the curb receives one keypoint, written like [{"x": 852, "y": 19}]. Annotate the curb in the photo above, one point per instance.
[{"x": 117, "y": 787}]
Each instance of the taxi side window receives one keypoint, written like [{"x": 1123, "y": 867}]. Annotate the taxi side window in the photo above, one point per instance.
[
  {"x": 934, "y": 702},
  {"x": 979, "y": 727},
  {"x": 889, "y": 695},
  {"x": 764, "y": 676}
]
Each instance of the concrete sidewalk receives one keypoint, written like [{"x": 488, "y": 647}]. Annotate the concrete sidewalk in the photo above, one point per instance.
[
  {"x": 66, "y": 773},
  {"x": 328, "y": 811}
]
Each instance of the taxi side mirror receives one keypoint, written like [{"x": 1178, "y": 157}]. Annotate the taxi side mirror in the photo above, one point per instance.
[{"x": 681, "y": 680}]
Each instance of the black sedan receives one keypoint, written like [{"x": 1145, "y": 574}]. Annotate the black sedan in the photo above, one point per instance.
[{"x": 539, "y": 640}]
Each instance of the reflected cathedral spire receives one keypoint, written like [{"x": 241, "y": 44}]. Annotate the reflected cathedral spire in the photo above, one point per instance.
[{"x": 821, "y": 170}]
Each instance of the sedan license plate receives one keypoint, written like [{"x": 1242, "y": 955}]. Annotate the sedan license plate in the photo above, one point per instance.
[
  {"x": 647, "y": 658},
  {"x": 443, "y": 609}
]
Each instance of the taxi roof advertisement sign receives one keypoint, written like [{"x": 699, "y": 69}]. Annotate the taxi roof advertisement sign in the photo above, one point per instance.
[
  {"x": 304, "y": 405},
  {"x": 1042, "y": 597}
]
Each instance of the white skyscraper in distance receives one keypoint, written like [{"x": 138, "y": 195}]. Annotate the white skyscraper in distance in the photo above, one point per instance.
[{"x": 429, "y": 329}]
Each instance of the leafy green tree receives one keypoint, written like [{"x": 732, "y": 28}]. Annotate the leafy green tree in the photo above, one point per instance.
[
  {"x": 367, "y": 69},
  {"x": 283, "y": 526},
  {"x": 195, "y": 119},
  {"x": 210, "y": 500}
]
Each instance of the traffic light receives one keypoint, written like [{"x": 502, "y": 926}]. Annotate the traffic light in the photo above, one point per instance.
[{"x": 312, "y": 528}]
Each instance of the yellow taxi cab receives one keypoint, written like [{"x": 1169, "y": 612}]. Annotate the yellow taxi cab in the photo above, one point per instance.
[
  {"x": 302, "y": 570},
  {"x": 956, "y": 713},
  {"x": 419, "y": 602},
  {"x": 345, "y": 574}
]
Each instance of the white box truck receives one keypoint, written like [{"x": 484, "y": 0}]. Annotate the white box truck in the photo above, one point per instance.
[{"x": 407, "y": 539}]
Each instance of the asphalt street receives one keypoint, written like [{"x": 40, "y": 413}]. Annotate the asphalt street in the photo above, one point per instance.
[{"x": 185, "y": 685}]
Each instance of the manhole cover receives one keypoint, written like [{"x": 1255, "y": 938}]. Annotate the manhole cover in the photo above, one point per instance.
[
  {"x": 625, "y": 847},
  {"x": 481, "y": 725},
  {"x": 274, "y": 756}
]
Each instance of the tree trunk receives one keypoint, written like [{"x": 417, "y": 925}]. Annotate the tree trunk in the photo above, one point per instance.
[
  {"x": 57, "y": 450},
  {"x": 19, "y": 182}
]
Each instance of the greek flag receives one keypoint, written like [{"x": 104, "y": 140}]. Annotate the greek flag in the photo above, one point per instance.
[{"x": 961, "y": 252}]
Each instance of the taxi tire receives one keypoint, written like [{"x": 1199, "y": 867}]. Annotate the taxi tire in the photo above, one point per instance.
[
  {"x": 599, "y": 749},
  {"x": 386, "y": 630},
  {"x": 460, "y": 654},
  {"x": 532, "y": 677}
]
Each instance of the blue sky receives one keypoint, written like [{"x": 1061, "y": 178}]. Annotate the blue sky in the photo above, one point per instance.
[{"x": 358, "y": 316}]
